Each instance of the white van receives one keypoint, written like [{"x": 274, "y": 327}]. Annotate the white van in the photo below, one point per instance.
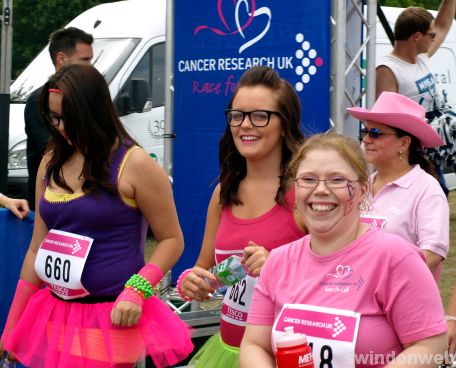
[
  {"x": 129, "y": 50},
  {"x": 443, "y": 63}
]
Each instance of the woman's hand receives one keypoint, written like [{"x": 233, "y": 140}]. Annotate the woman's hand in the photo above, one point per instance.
[
  {"x": 9, "y": 356},
  {"x": 195, "y": 286},
  {"x": 254, "y": 258},
  {"x": 451, "y": 336},
  {"x": 125, "y": 314},
  {"x": 19, "y": 207}
]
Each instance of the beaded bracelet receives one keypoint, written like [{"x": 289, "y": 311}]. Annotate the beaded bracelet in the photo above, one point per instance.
[
  {"x": 141, "y": 294},
  {"x": 181, "y": 278},
  {"x": 139, "y": 283}
]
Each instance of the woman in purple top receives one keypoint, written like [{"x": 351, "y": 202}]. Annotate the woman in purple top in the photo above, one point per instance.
[{"x": 98, "y": 194}]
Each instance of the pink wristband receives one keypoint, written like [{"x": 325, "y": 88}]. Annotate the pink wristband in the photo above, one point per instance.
[
  {"x": 130, "y": 295},
  {"x": 151, "y": 273},
  {"x": 181, "y": 278}
]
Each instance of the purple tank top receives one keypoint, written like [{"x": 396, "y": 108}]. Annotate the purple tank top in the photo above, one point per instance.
[{"x": 118, "y": 230}]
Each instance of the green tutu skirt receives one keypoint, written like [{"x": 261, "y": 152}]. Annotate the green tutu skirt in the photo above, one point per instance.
[{"x": 215, "y": 354}]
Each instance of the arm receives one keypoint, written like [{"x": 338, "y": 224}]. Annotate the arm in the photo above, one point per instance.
[
  {"x": 442, "y": 24},
  {"x": 384, "y": 80},
  {"x": 146, "y": 182},
  {"x": 192, "y": 285},
  {"x": 417, "y": 317},
  {"x": 256, "y": 348},
  {"x": 432, "y": 223},
  {"x": 19, "y": 207},
  {"x": 432, "y": 259},
  {"x": 424, "y": 353},
  {"x": 153, "y": 194},
  {"x": 40, "y": 230},
  {"x": 452, "y": 323}
]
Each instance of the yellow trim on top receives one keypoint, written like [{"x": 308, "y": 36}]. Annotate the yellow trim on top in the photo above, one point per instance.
[
  {"x": 51, "y": 196},
  {"x": 61, "y": 197},
  {"x": 128, "y": 201}
]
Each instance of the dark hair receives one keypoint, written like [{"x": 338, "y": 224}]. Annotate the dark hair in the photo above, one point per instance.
[
  {"x": 416, "y": 153},
  {"x": 91, "y": 126},
  {"x": 411, "y": 20},
  {"x": 233, "y": 166},
  {"x": 65, "y": 40}
]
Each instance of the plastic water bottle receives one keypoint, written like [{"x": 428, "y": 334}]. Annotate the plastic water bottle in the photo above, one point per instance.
[
  {"x": 293, "y": 350},
  {"x": 6, "y": 363},
  {"x": 227, "y": 273}
]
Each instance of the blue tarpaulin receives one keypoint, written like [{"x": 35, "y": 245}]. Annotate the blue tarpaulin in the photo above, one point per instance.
[{"x": 15, "y": 238}]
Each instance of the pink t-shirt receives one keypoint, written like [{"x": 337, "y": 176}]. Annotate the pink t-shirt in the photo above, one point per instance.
[
  {"x": 272, "y": 229},
  {"x": 385, "y": 279},
  {"x": 414, "y": 207}
]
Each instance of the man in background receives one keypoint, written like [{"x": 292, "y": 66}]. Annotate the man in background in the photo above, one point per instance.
[
  {"x": 406, "y": 69},
  {"x": 66, "y": 46}
]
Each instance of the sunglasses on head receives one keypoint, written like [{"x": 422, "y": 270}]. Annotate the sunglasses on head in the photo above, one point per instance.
[{"x": 373, "y": 133}]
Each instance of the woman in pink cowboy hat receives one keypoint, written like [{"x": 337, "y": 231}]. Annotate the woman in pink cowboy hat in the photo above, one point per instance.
[{"x": 406, "y": 199}]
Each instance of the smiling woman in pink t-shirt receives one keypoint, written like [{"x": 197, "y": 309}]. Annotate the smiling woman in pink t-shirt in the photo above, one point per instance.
[
  {"x": 363, "y": 297},
  {"x": 251, "y": 210}
]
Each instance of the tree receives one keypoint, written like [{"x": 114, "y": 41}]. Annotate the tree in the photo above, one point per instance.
[
  {"x": 428, "y": 4},
  {"x": 33, "y": 22}
]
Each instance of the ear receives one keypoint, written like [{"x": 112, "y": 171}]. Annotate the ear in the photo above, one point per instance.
[
  {"x": 60, "y": 58},
  {"x": 405, "y": 142},
  {"x": 364, "y": 192},
  {"x": 417, "y": 36}
]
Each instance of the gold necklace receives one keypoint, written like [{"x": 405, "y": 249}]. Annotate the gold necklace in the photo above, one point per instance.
[{"x": 357, "y": 231}]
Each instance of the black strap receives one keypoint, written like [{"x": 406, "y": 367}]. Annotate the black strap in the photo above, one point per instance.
[{"x": 88, "y": 299}]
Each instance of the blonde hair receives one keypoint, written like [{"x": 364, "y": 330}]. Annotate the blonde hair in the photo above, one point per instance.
[{"x": 348, "y": 148}]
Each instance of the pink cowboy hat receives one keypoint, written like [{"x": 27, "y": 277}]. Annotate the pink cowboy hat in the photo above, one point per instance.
[{"x": 400, "y": 112}]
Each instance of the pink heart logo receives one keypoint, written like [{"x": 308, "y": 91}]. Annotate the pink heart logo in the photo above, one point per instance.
[
  {"x": 343, "y": 271},
  {"x": 222, "y": 18}
]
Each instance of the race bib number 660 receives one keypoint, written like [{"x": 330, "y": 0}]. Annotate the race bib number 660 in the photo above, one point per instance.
[{"x": 60, "y": 262}]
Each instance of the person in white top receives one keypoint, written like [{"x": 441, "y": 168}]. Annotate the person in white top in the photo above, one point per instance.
[
  {"x": 418, "y": 36},
  {"x": 406, "y": 70}
]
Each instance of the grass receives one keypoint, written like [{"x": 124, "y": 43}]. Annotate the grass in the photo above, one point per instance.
[{"x": 448, "y": 277}]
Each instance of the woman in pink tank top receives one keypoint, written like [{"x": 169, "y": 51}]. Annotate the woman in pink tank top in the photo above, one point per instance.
[{"x": 251, "y": 210}]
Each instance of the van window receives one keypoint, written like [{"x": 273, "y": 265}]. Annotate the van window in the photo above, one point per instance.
[
  {"x": 145, "y": 88},
  {"x": 109, "y": 54}
]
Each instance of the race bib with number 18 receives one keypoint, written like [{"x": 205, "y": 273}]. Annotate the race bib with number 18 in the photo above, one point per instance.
[{"x": 331, "y": 332}]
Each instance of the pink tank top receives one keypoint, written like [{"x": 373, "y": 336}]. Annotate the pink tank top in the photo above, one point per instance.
[{"x": 270, "y": 230}]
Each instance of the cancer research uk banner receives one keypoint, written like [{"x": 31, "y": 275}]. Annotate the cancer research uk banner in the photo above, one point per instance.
[{"x": 215, "y": 42}]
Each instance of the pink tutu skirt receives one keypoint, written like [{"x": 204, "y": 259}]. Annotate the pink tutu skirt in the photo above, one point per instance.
[{"x": 55, "y": 333}]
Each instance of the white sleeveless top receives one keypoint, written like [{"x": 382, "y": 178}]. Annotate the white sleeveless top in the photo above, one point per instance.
[{"x": 415, "y": 81}]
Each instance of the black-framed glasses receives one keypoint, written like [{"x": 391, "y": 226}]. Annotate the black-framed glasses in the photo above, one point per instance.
[
  {"x": 431, "y": 34},
  {"x": 373, "y": 133},
  {"x": 331, "y": 182},
  {"x": 258, "y": 118},
  {"x": 52, "y": 118}
]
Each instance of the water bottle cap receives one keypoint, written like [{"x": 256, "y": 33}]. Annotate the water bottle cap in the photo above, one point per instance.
[{"x": 290, "y": 338}]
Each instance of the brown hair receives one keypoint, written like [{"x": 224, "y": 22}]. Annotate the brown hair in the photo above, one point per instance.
[
  {"x": 411, "y": 20},
  {"x": 233, "y": 166},
  {"x": 348, "y": 148},
  {"x": 416, "y": 153},
  {"x": 91, "y": 125},
  {"x": 65, "y": 40}
]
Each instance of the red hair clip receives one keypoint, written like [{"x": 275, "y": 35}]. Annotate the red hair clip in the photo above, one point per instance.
[{"x": 55, "y": 90}]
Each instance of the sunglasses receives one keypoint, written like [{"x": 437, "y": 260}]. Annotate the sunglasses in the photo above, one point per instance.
[{"x": 373, "y": 133}]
